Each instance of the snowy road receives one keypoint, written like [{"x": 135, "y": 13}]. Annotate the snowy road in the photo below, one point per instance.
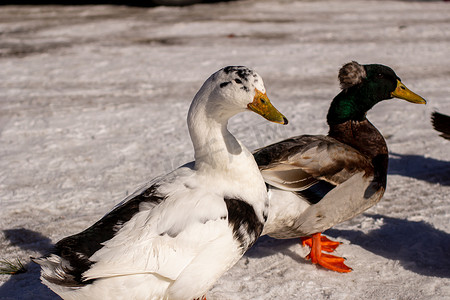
[{"x": 94, "y": 99}]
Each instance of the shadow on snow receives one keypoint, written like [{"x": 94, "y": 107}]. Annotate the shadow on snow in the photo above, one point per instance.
[
  {"x": 418, "y": 246},
  {"x": 419, "y": 167},
  {"x": 12, "y": 289}
]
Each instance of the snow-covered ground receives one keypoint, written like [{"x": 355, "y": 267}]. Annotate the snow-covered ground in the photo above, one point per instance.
[{"x": 93, "y": 103}]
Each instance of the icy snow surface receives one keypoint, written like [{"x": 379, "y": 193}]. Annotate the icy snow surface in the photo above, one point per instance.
[{"x": 94, "y": 99}]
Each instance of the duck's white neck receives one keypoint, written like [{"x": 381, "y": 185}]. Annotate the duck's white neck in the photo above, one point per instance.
[{"x": 215, "y": 147}]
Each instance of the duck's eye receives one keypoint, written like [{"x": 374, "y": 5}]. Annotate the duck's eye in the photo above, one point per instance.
[
  {"x": 237, "y": 81},
  {"x": 379, "y": 75},
  {"x": 263, "y": 101}
]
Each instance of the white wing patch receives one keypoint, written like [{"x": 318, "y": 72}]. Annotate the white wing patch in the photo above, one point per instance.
[{"x": 164, "y": 240}]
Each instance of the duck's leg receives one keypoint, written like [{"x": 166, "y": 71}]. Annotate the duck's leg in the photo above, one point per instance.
[
  {"x": 327, "y": 244},
  {"x": 317, "y": 242}
]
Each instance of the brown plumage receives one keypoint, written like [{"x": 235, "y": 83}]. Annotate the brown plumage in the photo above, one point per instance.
[
  {"x": 316, "y": 182},
  {"x": 307, "y": 159}
]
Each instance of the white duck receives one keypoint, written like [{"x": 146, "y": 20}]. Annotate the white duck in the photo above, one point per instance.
[{"x": 176, "y": 236}]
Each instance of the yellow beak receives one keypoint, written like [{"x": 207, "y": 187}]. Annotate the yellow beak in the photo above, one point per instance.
[
  {"x": 404, "y": 93},
  {"x": 262, "y": 106}
]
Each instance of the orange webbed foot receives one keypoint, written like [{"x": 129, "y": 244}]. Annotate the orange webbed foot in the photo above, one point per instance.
[{"x": 319, "y": 243}]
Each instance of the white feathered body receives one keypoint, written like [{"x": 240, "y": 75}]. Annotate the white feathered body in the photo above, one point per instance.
[
  {"x": 168, "y": 251},
  {"x": 177, "y": 235}
]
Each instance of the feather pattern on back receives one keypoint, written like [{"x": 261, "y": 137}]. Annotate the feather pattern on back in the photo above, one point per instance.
[{"x": 297, "y": 163}]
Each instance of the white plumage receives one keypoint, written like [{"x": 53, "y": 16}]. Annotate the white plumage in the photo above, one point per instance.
[{"x": 176, "y": 236}]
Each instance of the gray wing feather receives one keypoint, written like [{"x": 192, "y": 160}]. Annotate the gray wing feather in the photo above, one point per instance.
[{"x": 297, "y": 163}]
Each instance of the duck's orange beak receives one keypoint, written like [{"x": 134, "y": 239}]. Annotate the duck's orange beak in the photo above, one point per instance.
[{"x": 262, "y": 106}]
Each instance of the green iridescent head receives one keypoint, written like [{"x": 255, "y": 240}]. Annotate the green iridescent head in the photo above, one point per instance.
[{"x": 363, "y": 86}]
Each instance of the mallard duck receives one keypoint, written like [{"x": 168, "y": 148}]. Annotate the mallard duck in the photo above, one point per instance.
[
  {"x": 316, "y": 181},
  {"x": 173, "y": 238},
  {"x": 441, "y": 123}
]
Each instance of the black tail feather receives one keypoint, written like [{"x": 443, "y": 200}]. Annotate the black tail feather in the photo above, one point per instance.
[{"x": 441, "y": 123}]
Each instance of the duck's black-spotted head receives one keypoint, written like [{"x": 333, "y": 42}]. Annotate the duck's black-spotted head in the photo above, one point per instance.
[
  {"x": 236, "y": 89},
  {"x": 363, "y": 86}
]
